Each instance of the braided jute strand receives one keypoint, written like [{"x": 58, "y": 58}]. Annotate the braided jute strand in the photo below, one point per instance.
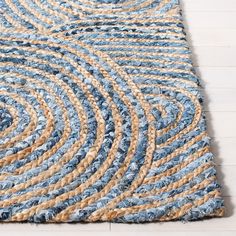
[
  {"x": 13, "y": 113},
  {"x": 27, "y": 131},
  {"x": 104, "y": 72},
  {"x": 101, "y": 114},
  {"x": 83, "y": 120},
  {"x": 64, "y": 215},
  {"x": 117, "y": 213}
]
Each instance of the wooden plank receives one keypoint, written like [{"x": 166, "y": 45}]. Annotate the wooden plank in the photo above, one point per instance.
[
  {"x": 221, "y": 124},
  {"x": 212, "y": 37},
  {"x": 226, "y": 176},
  {"x": 217, "y": 77},
  {"x": 224, "y": 150},
  {"x": 211, "y": 56},
  {"x": 57, "y": 228},
  {"x": 209, "y": 5},
  {"x": 220, "y": 20},
  {"x": 218, "y": 99},
  {"x": 75, "y": 233}
]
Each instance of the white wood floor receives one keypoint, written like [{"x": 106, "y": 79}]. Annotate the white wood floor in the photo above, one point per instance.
[{"x": 211, "y": 28}]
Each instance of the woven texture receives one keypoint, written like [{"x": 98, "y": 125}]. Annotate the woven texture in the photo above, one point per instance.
[{"x": 101, "y": 114}]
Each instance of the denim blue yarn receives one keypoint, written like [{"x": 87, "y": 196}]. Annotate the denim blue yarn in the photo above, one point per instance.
[
  {"x": 5, "y": 119},
  {"x": 91, "y": 34}
]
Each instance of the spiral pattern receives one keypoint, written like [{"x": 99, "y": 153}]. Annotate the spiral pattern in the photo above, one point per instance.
[
  {"x": 101, "y": 116},
  {"x": 45, "y": 14}
]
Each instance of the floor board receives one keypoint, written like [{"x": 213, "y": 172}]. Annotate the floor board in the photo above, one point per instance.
[
  {"x": 212, "y": 56},
  {"x": 222, "y": 37},
  {"x": 218, "y": 99},
  {"x": 209, "y": 5},
  {"x": 209, "y": 19},
  {"x": 125, "y": 233},
  {"x": 224, "y": 150},
  {"x": 217, "y": 77}
]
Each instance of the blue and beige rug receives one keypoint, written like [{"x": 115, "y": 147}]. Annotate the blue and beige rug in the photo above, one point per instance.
[{"x": 101, "y": 114}]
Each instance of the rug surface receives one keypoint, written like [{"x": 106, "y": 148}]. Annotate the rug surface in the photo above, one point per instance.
[{"x": 101, "y": 114}]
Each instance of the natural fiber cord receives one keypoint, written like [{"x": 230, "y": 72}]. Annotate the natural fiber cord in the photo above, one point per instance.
[{"x": 101, "y": 114}]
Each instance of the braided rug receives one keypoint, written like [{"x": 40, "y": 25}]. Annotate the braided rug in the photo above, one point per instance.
[{"x": 101, "y": 114}]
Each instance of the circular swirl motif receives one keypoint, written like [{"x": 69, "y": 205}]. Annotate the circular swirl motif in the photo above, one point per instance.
[
  {"x": 75, "y": 129},
  {"x": 5, "y": 118},
  {"x": 42, "y": 15},
  {"x": 100, "y": 119}
]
